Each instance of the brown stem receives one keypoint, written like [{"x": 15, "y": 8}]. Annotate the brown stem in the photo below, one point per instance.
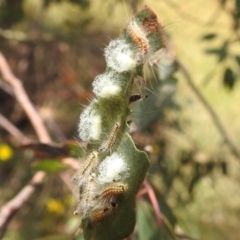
[
  {"x": 24, "y": 100},
  {"x": 10, "y": 208},
  {"x": 154, "y": 202},
  {"x": 7, "y": 125}
]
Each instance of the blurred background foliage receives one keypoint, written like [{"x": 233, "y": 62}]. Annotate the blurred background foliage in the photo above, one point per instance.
[{"x": 56, "y": 48}]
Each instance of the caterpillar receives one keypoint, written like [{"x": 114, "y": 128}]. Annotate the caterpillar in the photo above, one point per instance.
[
  {"x": 109, "y": 144},
  {"x": 90, "y": 161},
  {"x": 112, "y": 190},
  {"x": 85, "y": 195},
  {"x": 140, "y": 39},
  {"x": 105, "y": 211}
]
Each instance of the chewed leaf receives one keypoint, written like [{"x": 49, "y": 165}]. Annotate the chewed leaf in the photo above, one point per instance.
[
  {"x": 114, "y": 168},
  {"x": 100, "y": 225}
]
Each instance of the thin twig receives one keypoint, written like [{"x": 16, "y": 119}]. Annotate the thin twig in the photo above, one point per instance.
[
  {"x": 211, "y": 112},
  {"x": 24, "y": 100},
  {"x": 7, "y": 88},
  {"x": 142, "y": 192},
  {"x": 10, "y": 208},
  {"x": 159, "y": 216},
  {"x": 184, "y": 237},
  {"x": 154, "y": 202},
  {"x": 7, "y": 125},
  {"x": 71, "y": 162},
  {"x": 169, "y": 227}
]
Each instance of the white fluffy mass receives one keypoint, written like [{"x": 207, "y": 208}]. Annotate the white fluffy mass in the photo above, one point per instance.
[
  {"x": 106, "y": 85},
  {"x": 89, "y": 127},
  {"x": 113, "y": 168},
  {"x": 120, "y": 56}
]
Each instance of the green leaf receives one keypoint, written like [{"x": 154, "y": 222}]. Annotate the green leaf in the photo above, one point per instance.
[
  {"x": 237, "y": 4},
  {"x": 209, "y": 36},
  {"x": 120, "y": 223},
  {"x": 168, "y": 218},
  {"x": 238, "y": 59},
  {"x": 146, "y": 222},
  {"x": 237, "y": 12},
  {"x": 50, "y": 165},
  {"x": 229, "y": 79},
  {"x": 220, "y": 52},
  {"x": 213, "y": 51},
  {"x": 79, "y": 236}
]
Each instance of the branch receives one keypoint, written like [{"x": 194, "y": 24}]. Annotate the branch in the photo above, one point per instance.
[
  {"x": 154, "y": 202},
  {"x": 7, "y": 125},
  {"x": 24, "y": 100},
  {"x": 9, "y": 209},
  {"x": 8, "y": 89},
  {"x": 211, "y": 112}
]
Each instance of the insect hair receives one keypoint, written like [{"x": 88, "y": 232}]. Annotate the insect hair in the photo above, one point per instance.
[
  {"x": 112, "y": 190},
  {"x": 110, "y": 143},
  {"x": 104, "y": 211},
  {"x": 139, "y": 37},
  {"x": 90, "y": 161}
]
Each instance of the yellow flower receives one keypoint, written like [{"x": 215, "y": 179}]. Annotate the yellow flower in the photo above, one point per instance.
[
  {"x": 6, "y": 152},
  {"x": 55, "y": 206}
]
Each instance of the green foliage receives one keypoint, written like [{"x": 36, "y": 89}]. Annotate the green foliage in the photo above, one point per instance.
[
  {"x": 194, "y": 174},
  {"x": 224, "y": 52},
  {"x": 209, "y": 36},
  {"x": 50, "y": 165},
  {"x": 147, "y": 226},
  {"x": 121, "y": 223},
  {"x": 229, "y": 78}
]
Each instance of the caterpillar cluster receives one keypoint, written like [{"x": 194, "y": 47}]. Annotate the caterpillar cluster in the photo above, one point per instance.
[{"x": 113, "y": 168}]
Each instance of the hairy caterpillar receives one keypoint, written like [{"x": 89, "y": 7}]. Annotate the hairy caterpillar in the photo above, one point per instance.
[
  {"x": 112, "y": 190},
  {"x": 86, "y": 192},
  {"x": 90, "y": 161},
  {"x": 140, "y": 39},
  {"x": 109, "y": 144},
  {"x": 107, "y": 200},
  {"x": 107, "y": 210}
]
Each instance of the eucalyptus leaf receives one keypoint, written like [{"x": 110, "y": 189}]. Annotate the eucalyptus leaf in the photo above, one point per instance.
[
  {"x": 146, "y": 222},
  {"x": 229, "y": 79}
]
